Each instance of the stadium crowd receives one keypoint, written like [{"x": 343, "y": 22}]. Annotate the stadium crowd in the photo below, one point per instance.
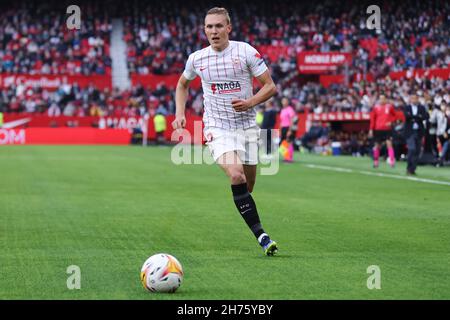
[
  {"x": 413, "y": 34},
  {"x": 34, "y": 39},
  {"x": 311, "y": 97},
  {"x": 159, "y": 37},
  {"x": 361, "y": 96},
  {"x": 72, "y": 100}
]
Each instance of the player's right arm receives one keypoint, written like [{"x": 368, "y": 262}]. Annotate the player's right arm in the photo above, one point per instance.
[
  {"x": 182, "y": 92},
  {"x": 181, "y": 96}
]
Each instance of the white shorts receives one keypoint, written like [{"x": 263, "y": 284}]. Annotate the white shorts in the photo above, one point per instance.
[{"x": 244, "y": 141}]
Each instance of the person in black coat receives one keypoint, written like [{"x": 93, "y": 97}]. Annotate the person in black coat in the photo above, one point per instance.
[
  {"x": 415, "y": 115},
  {"x": 269, "y": 120}
]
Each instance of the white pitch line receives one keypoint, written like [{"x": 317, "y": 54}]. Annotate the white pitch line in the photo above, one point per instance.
[
  {"x": 338, "y": 169},
  {"x": 379, "y": 174}
]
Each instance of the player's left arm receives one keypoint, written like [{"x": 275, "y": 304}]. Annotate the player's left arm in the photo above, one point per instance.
[{"x": 267, "y": 91}]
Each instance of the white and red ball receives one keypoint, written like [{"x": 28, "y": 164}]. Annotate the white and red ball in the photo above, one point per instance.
[{"x": 162, "y": 272}]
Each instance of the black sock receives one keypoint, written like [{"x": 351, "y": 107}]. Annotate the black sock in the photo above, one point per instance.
[{"x": 247, "y": 208}]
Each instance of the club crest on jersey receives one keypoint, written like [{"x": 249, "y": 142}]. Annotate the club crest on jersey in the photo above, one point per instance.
[
  {"x": 226, "y": 87},
  {"x": 209, "y": 137}
]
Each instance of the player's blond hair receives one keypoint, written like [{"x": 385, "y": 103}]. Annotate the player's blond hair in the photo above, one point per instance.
[{"x": 218, "y": 10}]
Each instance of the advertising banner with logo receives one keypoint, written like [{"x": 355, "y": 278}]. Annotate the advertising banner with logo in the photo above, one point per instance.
[
  {"x": 64, "y": 136},
  {"x": 315, "y": 62},
  {"x": 53, "y": 82},
  {"x": 12, "y": 130}
]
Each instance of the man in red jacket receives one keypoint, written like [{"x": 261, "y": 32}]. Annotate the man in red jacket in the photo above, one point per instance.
[{"x": 382, "y": 118}]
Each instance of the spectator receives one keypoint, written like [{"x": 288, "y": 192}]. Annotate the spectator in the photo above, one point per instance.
[
  {"x": 268, "y": 124},
  {"x": 54, "y": 110},
  {"x": 69, "y": 110},
  {"x": 159, "y": 121}
]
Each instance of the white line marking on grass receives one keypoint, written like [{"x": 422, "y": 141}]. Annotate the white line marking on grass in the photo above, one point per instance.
[
  {"x": 379, "y": 174},
  {"x": 316, "y": 166}
]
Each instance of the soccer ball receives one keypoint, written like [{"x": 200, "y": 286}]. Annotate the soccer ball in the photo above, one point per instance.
[{"x": 161, "y": 273}]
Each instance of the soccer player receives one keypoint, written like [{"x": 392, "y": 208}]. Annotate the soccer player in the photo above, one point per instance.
[
  {"x": 226, "y": 69},
  {"x": 382, "y": 118}
]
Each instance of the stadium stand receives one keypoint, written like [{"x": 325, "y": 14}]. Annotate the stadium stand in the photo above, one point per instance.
[
  {"x": 159, "y": 37},
  {"x": 34, "y": 39}
]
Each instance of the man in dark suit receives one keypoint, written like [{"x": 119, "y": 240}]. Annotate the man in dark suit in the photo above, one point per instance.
[
  {"x": 269, "y": 120},
  {"x": 415, "y": 115}
]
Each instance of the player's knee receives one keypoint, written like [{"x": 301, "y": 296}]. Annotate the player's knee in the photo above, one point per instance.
[{"x": 237, "y": 177}]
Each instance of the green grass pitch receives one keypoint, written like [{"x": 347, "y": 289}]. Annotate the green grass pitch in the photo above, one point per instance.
[{"x": 106, "y": 209}]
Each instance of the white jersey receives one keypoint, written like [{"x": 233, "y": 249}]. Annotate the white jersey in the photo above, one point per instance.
[{"x": 226, "y": 75}]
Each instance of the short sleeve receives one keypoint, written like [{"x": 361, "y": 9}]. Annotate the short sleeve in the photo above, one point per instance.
[
  {"x": 292, "y": 112},
  {"x": 189, "y": 72},
  {"x": 255, "y": 62}
]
